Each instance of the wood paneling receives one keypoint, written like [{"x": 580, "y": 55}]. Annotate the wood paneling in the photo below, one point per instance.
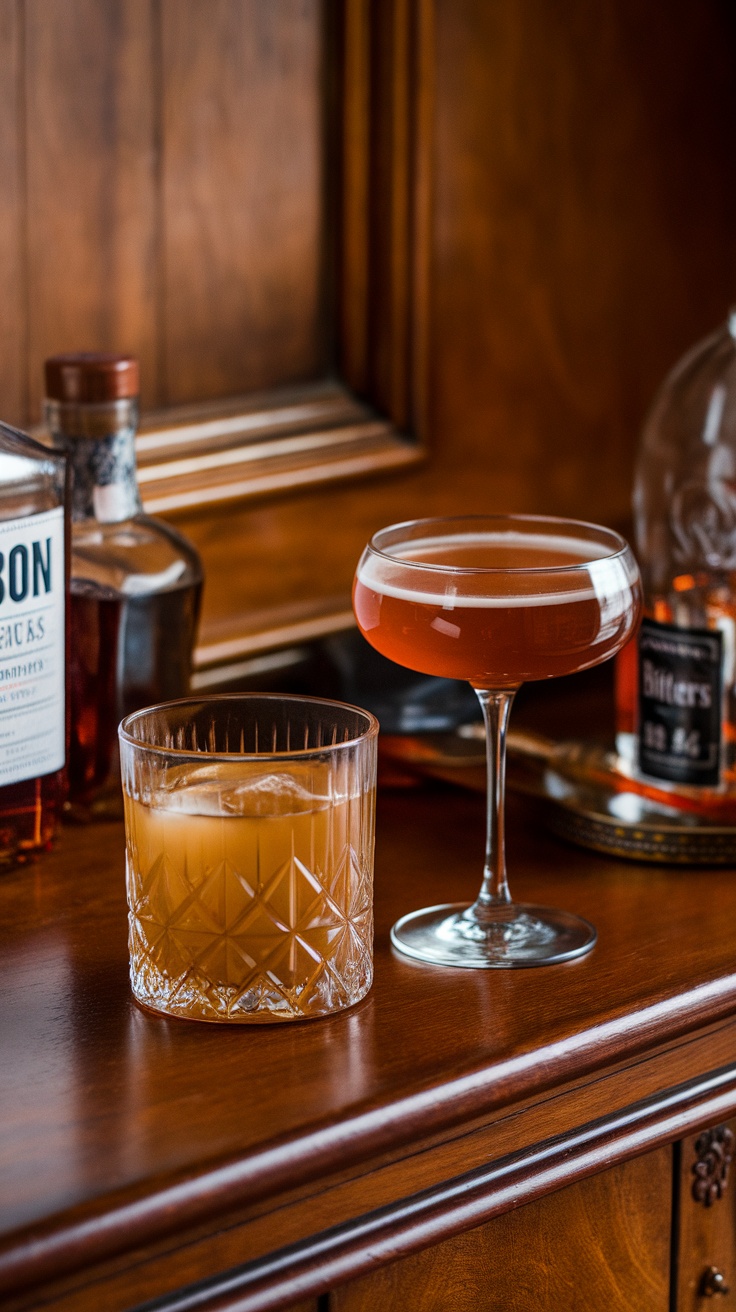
[
  {"x": 162, "y": 183},
  {"x": 12, "y": 262},
  {"x": 603, "y": 1244},
  {"x": 385, "y": 67},
  {"x": 584, "y": 236},
  {"x": 91, "y": 178},
  {"x": 242, "y": 195},
  {"x": 535, "y": 216}
]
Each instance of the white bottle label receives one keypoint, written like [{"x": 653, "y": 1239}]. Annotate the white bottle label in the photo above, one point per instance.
[{"x": 32, "y": 680}]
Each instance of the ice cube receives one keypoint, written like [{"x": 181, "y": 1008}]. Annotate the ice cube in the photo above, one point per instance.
[{"x": 244, "y": 789}]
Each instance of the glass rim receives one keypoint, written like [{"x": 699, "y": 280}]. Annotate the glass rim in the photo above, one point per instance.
[
  {"x": 218, "y": 699},
  {"x": 553, "y": 520}
]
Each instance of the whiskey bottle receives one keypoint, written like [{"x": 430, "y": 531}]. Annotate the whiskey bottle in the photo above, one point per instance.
[
  {"x": 33, "y": 576},
  {"x": 676, "y": 685},
  {"x": 135, "y": 581}
]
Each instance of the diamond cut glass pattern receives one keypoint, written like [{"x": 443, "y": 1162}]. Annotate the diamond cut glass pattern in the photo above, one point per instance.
[{"x": 250, "y": 876}]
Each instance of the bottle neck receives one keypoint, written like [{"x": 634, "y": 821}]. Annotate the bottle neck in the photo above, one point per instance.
[{"x": 100, "y": 442}]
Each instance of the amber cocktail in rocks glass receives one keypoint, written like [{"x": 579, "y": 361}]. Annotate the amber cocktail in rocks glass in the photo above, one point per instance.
[
  {"x": 249, "y": 827},
  {"x": 496, "y": 600}
]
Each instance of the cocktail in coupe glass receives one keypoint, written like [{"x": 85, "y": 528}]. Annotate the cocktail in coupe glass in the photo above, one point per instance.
[{"x": 496, "y": 600}]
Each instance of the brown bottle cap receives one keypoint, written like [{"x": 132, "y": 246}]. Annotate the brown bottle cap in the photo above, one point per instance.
[{"x": 89, "y": 376}]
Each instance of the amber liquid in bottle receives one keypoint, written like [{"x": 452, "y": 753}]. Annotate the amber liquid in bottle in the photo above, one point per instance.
[
  {"x": 29, "y": 816},
  {"x": 676, "y": 685},
  {"x": 147, "y": 640},
  {"x": 135, "y": 582}
]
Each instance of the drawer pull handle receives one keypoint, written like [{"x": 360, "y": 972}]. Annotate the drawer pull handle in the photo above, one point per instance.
[{"x": 713, "y": 1282}]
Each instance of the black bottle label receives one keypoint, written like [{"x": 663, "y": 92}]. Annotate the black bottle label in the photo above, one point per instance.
[{"x": 680, "y": 690}]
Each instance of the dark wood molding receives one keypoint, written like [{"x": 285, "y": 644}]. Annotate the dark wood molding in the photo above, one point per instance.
[
  {"x": 198, "y": 457},
  {"x": 358, "y": 1247},
  {"x": 385, "y": 204},
  {"x": 194, "y": 458},
  {"x": 186, "y": 1209},
  {"x": 275, "y": 632},
  {"x": 346, "y": 1251}
]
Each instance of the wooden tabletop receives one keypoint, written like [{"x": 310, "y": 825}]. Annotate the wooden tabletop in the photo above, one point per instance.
[{"x": 116, "y": 1125}]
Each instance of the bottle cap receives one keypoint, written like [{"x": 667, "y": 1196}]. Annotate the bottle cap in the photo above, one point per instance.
[{"x": 91, "y": 376}]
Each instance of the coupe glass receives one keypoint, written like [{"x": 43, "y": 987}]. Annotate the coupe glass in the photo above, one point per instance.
[{"x": 496, "y": 600}]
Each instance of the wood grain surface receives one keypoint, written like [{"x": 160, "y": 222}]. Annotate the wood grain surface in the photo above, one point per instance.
[
  {"x": 12, "y": 214},
  {"x": 578, "y": 206},
  {"x": 91, "y": 215},
  {"x": 161, "y": 1124},
  {"x": 161, "y": 174},
  {"x": 602, "y": 1245},
  {"x": 242, "y": 196}
]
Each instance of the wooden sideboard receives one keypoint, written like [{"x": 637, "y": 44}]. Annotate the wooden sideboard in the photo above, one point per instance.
[{"x": 528, "y": 1139}]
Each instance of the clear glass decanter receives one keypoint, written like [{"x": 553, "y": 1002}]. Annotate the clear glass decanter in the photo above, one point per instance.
[
  {"x": 676, "y": 684},
  {"x": 135, "y": 581}
]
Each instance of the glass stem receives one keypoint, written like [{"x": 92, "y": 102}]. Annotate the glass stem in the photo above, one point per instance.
[{"x": 494, "y": 894}]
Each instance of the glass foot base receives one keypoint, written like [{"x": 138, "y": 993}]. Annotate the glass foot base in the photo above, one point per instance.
[{"x": 521, "y": 935}]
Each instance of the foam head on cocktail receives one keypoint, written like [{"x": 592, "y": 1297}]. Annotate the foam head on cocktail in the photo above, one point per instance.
[
  {"x": 495, "y": 607},
  {"x": 498, "y": 601}
]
